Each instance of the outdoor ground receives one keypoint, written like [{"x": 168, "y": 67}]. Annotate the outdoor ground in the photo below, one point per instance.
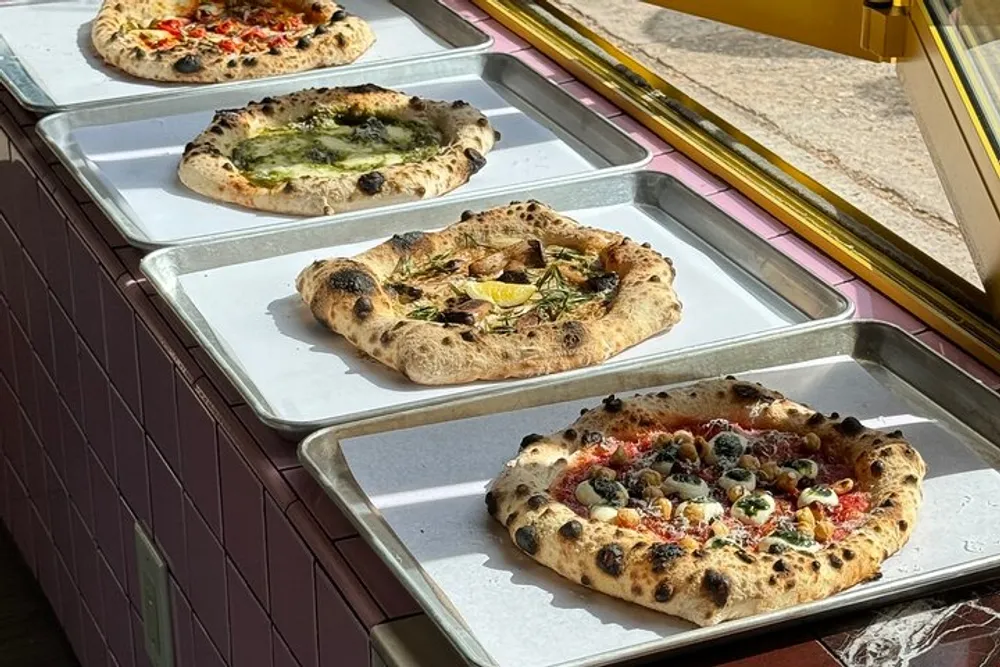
[{"x": 845, "y": 122}]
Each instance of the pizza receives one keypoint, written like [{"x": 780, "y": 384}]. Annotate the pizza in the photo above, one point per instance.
[
  {"x": 216, "y": 40},
  {"x": 330, "y": 150},
  {"x": 514, "y": 291},
  {"x": 711, "y": 502}
]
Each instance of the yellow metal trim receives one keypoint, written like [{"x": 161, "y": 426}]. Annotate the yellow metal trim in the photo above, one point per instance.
[{"x": 960, "y": 324}]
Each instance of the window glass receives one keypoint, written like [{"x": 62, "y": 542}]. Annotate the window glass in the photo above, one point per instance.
[{"x": 843, "y": 121}]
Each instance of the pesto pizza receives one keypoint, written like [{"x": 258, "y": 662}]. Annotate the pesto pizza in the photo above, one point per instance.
[
  {"x": 225, "y": 40},
  {"x": 711, "y": 502},
  {"x": 329, "y": 150},
  {"x": 514, "y": 291}
]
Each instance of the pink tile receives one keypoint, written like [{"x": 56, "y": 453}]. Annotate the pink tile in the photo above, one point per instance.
[
  {"x": 77, "y": 478},
  {"x": 544, "y": 66},
  {"x": 168, "y": 515},
  {"x": 117, "y": 621},
  {"x": 67, "y": 367},
  {"x": 504, "y": 41},
  {"x": 130, "y": 453},
  {"x": 327, "y": 514},
  {"x": 250, "y": 628},
  {"x": 183, "y": 627},
  {"x": 688, "y": 173},
  {"x": 205, "y": 654},
  {"x": 86, "y": 295},
  {"x": 752, "y": 216},
  {"x": 290, "y": 579},
  {"x": 95, "y": 653},
  {"x": 85, "y": 565},
  {"x": 384, "y": 586},
  {"x": 342, "y": 639},
  {"x": 281, "y": 452},
  {"x": 96, "y": 409},
  {"x": 466, "y": 10},
  {"x": 243, "y": 518},
  {"x": 812, "y": 259},
  {"x": 207, "y": 592},
  {"x": 282, "y": 654},
  {"x": 123, "y": 359},
  {"x": 200, "y": 455},
  {"x": 108, "y": 522},
  {"x": 138, "y": 642},
  {"x": 869, "y": 304},
  {"x": 156, "y": 374},
  {"x": 639, "y": 133},
  {"x": 587, "y": 96},
  {"x": 956, "y": 355}
]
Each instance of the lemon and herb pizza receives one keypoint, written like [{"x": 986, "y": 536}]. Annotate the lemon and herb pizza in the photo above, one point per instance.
[
  {"x": 514, "y": 291},
  {"x": 224, "y": 40},
  {"x": 716, "y": 501},
  {"x": 330, "y": 150}
]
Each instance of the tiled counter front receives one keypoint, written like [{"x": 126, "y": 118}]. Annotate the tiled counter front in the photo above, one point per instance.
[{"x": 111, "y": 414}]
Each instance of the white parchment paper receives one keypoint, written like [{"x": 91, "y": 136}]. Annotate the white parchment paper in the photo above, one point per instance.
[
  {"x": 139, "y": 161},
  {"x": 307, "y": 375},
  {"x": 429, "y": 483},
  {"x": 52, "y": 42}
]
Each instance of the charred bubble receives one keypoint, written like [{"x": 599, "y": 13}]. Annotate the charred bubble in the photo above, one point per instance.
[
  {"x": 189, "y": 64},
  {"x": 371, "y": 183},
  {"x": 660, "y": 555},
  {"x": 526, "y": 537},
  {"x": 611, "y": 559},
  {"x": 603, "y": 282}
]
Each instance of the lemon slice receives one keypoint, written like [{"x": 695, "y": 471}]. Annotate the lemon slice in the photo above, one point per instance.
[{"x": 505, "y": 295}]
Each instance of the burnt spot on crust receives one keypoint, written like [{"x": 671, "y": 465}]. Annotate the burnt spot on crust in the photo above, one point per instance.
[
  {"x": 662, "y": 394},
  {"x": 716, "y": 586},
  {"x": 779, "y": 566},
  {"x": 530, "y": 439},
  {"x": 511, "y": 518},
  {"x": 468, "y": 336},
  {"x": 353, "y": 281},
  {"x": 496, "y": 135},
  {"x": 417, "y": 103},
  {"x": 745, "y": 557},
  {"x": 585, "y": 580},
  {"x": 663, "y": 592},
  {"x": 303, "y": 43},
  {"x": 835, "y": 562},
  {"x": 406, "y": 240},
  {"x": 526, "y": 537},
  {"x": 521, "y": 490},
  {"x": 321, "y": 30},
  {"x": 896, "y": 434},
  {"x": 363, "y": 308},
  {"x": 910, "y": 479},
  {"x": 877, "y": 468},
  {"x": 338, "y": 15},
  {"x": 274, "y": 51},
  {"x": 250, "y": 62},
  {"x": 569, "y": 434},
  {"x": 476, "y": 160},
  {"x": 902, "y": 524},
  {"x": 458, "y": 104},
  {"x": 850, "y": 427},
  {"x": 661, "y": 555},
  {"x": 847, "y": 554},
  {"x": 591, "y": 438},
  {"x": 364, "y": 88},
  {"x": 189, "y": 64},
  {"x": 612, "y": 404},
  {"x": 491, "y": 503},
  {"x": 573, "y": 334},
  {"x": 815, "y": 565},
  {"x": 466, "y": 215},
  {"x": 371, "y": 183},
  {"x": 603, "y": 282},
  {"x": 747, "y": 392},
  {"x": 571, "y": 530},
  {"x": 816, "y": 418},
  {"x": 536, "y": 501},
  {"x": 888, "y": 502},
  {"x": 482, "y": 122},
  {"x": 611, "y": 559}
]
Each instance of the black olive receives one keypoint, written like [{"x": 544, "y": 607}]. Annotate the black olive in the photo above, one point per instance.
[
  {"x": 338, "y": 15},
  {"x": 515, "y": 277},
  {"x": 189, "y": 64},
  {"x": 303, "y": 43},
  {"x": 603, "y": 282},
  {"x": 476, "y": 160},
  {"x": 371, "y": 183}
]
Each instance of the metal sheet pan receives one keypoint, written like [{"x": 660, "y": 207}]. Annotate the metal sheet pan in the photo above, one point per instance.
[
  {"x": 238, "y": 295},
  {"x": 413, "y": 484},
  {"x": 126, "y": 156},
  {"x": 48, "y": 62}
]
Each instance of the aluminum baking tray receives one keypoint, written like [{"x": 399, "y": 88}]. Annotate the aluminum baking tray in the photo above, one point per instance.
[
  {"x": 126, "y": 156},
  {"x": 414, "y": 483},
  {"x": 238, "y": 295},
  {"x": 47, "y": 61}
]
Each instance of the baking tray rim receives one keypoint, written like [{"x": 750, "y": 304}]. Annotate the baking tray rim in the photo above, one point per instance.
[
  {"x": 43, "y": 104},
  {"x": 351, "y": 499},
  {"x": 118, "y": 211},
  {"x": 151, "y": 264}
]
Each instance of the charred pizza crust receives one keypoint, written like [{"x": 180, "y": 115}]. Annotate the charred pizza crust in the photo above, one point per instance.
[
  {"x": 707, "y": 586},
  {"x": 207, "y": 166},
  {"x": 331, "y": 37},
  {"x": 350, "y": 297}
]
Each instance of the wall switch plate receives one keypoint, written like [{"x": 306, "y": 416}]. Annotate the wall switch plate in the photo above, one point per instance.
[{"x": 155, "y": 596}]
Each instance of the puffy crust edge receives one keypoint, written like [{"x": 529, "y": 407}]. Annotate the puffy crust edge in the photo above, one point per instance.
[
  {"x": 207, "y": 169},
  {"x": 435, "y": 354},
  {"x": 711, "y": 585},
  {"x": 344, "y": 42}
]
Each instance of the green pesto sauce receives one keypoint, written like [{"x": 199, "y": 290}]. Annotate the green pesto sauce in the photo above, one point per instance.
[{"x": 328, "y": 144}]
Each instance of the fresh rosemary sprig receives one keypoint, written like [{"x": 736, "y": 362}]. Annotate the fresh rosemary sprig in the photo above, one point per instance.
[{"x": 428, "y": 313}]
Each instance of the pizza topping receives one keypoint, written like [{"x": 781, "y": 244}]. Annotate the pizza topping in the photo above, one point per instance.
[
  {"x": 754, "y": 508},
  {"x": 686, "y": 486},
  {"x": 603, "y": 513},
  {"x": 504, "y": 295},
  {"x": 738, "y": 477},
  {"x": 726, "y": 448},
  {"x": 822, "y": 495},
  {"x": 601, "y": 491},
  {"x": 804, "y": 468},
  {"x": 700, "y": 510},
  {"x": 781, "y": 541}
]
